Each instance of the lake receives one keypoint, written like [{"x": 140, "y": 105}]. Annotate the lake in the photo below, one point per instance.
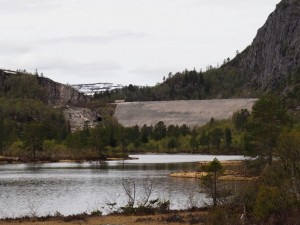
[{"x": 71, "y": 188}]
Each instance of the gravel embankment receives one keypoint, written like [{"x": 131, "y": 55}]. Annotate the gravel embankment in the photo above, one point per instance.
[{"x": 191, "y": 113}]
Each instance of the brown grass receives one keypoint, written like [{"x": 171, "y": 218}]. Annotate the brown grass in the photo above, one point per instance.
[
  {"x": 172, "y": 218},
  {"x": 233, "y": 171}
]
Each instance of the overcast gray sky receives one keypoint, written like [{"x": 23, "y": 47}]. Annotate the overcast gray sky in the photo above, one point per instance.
[{"x": 124, "y": 41}]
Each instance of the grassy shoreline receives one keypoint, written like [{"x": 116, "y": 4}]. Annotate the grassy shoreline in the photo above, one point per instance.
[
  {"x": 233, "y": 171},
  {"x": 171, "y": 217}
]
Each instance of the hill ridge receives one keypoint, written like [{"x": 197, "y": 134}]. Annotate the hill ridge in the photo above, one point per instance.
[{"x": 55, "y": 92}]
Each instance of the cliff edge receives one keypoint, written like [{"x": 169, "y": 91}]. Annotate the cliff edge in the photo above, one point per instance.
[{"x": 274, "y": 54}]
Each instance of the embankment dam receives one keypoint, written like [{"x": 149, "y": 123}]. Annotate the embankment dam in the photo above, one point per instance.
[{"x": 192, "y": 112}]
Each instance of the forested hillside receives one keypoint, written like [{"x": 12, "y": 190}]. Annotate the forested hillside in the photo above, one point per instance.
[
  {"x": 32, "y": 106},
  {"x": 187, "y": 85},
  {"x": 34, "y": 128},
  {"x": 35, "y": 115},
  {"x": 25, "y": 117},
  {"x": 270, "y": 64}
]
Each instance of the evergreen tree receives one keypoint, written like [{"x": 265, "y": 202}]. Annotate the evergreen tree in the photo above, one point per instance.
[
  {"x": 268, "y": 119},
  {"x": 172, "y": 144},
  {"x": 159, "y": 131},
  {"x": 240, "y": 119},
  {"x": 204, "y": 139},
  {"x": 33, "y": 137},
  {"x": 145, "y": 133},
  {"x": 228, "y": 137},
  {"x": 216, "y": 137},
  {"x": 194, "y": 142},
  {"x": 210, "y": 182}
]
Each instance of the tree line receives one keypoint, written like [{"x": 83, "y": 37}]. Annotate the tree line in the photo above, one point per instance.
[
  {"x": 223, "y": 82},
  {"x": 273, "y": 137},
  {"x": 31, "y": 128}
]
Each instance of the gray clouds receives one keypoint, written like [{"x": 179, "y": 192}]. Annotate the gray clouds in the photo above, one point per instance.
[
  {"x": 14, "y": 7},
  {"x": 14, "y": 47},
  {"x": 97, "y": 39},
  {"x": 132, "y": 41}
]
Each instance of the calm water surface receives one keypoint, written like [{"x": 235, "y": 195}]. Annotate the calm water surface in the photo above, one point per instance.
[{"x": 70, "y": 188}]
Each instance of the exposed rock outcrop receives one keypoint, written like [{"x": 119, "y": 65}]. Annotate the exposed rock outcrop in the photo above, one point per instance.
[
  {"x": 275, "y": 51},
  {"x": 75, "y": 113},
  {"x": 62, "y": 94},
  {"x": 56, "y": 93},
  {"x": 79, "y": 117}
]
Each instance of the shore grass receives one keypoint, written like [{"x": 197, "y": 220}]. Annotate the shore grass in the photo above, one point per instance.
[
  {"x": 171, "y": 218},
  {"x": 233, "y": 171}
]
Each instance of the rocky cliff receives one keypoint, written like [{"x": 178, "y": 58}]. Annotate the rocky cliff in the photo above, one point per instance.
[
  {"x": 61, "y": 94},
  {"x": 21, "y": 85},
  {"x": 274, "y": 54},
  {"x": 78, "y": 117},
  {"x": 55, "y": 93}
]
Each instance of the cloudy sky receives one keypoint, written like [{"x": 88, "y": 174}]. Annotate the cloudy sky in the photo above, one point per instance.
[{"x": 124, "y": 41}]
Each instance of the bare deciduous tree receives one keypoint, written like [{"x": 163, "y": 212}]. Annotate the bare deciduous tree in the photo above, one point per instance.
[{"x": 130, "y": 191}]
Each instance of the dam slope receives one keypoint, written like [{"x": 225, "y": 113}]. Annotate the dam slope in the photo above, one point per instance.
[{"x": 192, "y": 112}]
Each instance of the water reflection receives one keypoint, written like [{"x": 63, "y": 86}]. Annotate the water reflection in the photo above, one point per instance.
[{"x": 70, "y": 188}]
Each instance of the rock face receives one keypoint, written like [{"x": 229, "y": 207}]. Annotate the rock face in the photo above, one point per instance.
[
  {"x": 64, "y": 95},
  {"x": 275, "y": 51},
  {"x": 56, "y": 93},
  {"x": 79, "y": 117},
  {"x": 192, "y": 113},
  {"x": 61, "y": 94}
]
